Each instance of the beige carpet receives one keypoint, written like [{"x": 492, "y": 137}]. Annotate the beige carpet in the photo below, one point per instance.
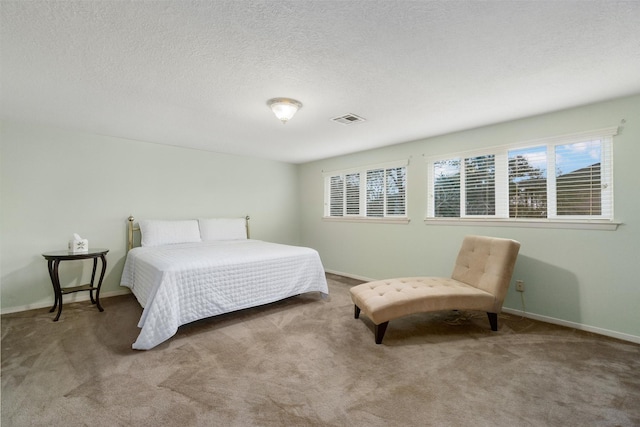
[{"x": 307, "y": 362}]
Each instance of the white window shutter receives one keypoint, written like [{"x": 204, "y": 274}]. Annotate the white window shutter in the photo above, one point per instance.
[{"x": 564, "y": 177}]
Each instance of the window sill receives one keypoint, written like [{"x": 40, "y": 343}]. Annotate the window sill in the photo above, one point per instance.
[
  {"x": 362, "y": 219},
  {"x": 528, "y": 223}
]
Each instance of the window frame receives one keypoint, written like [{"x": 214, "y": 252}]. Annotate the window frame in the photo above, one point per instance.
[
  {"x": 362, "y": 214},
  {"x": 604, "y": 221}
]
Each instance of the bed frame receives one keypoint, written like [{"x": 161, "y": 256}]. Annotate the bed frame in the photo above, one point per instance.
[{"x": 132, "y": 227}]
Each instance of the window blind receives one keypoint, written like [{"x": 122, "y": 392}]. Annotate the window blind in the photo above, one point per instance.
[
  {"x": 375, "y": 193},
  {"x": 337, "y": 195},
  {"x": 396, "y": 191},
  {"x": 352, "y": 183},
  {"x": 579, "y": 184},
  {"x": 528, "y": 182},
  {"x": 446, "y": 183},
  {"x": 480, "y": 185}
]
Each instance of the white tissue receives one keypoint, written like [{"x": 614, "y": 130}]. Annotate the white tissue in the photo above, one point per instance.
[{"x": 78, "y": 244}]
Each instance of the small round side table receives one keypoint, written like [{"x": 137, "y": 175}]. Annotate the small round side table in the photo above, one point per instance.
[{"x": 55, "y": 257}]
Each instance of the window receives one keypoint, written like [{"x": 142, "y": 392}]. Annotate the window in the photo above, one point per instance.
[
  {"x": 446, "y": 188},
  {"x": 371, "y": 192},
  {"x": 578, "y": 178},
  {"x": 352, "y": 190},
  {"x": 337, "y": 190},
  {"x": 528, "y": 182},
  {"x": 480, "y": 185},
  {"x": 561, "y": 178}
]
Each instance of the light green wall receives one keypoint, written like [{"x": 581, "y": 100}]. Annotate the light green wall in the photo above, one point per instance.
[
  {"x": 583, "y": 277},
  {"x": 55, "y": 182}
]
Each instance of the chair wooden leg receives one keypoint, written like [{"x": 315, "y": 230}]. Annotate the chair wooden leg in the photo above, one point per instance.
[
  {"x": 493, "y": 320},
  {"x": 380, "y": 330},
  {"x": 356, "y": 311}
]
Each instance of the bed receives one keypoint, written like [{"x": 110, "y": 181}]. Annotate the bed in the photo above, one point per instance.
[{"x": 188, "y": 270}]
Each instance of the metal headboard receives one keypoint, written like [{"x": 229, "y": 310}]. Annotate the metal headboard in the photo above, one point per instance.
[{"x": 132, "y": 227}]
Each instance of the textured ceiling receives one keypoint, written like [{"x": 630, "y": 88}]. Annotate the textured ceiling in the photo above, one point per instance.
[{"x": 198, "y": 73}]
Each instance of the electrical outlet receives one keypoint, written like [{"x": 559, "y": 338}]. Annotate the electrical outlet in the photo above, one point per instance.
[{"x": 520, "y": 285}]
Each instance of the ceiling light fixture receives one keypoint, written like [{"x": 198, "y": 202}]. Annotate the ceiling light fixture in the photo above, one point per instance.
[{"x": 284, "y": 108}]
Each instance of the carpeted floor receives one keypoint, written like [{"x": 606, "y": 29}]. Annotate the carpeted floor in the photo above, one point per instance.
[{"x": 306, "y": 361}]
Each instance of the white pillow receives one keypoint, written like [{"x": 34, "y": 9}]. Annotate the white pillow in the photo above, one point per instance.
[
  {"x": 222, "y": 229},
  {"x": 157, "y": 232}
]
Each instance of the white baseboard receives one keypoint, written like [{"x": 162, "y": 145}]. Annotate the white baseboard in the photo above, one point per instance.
[
  {"x": 600, "y": 331},
  {"x": 351, "y": 276},
  {"x": 574, "y": 325},
  {"x": 79, "y": 296}
]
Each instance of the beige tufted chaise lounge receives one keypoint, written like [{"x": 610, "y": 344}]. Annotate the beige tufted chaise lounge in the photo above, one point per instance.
[{"x": 480, "y": 281}]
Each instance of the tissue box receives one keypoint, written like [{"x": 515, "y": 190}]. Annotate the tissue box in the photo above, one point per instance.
[{"x": 76, "y": 246}]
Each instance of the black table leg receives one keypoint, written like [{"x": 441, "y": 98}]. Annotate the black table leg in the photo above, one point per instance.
[
  {"x": 103, "y": 258},
  {"x": 56, "y": 287},
  {"x": 53, "y": 283},
  {"x": 93, "y": 275}
]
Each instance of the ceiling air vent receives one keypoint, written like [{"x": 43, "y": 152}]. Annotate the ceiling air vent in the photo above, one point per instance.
[{"x": 349, "y": 119}]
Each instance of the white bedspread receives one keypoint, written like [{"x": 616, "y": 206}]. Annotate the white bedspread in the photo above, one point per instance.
[{"x": 180, "y": 283}]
